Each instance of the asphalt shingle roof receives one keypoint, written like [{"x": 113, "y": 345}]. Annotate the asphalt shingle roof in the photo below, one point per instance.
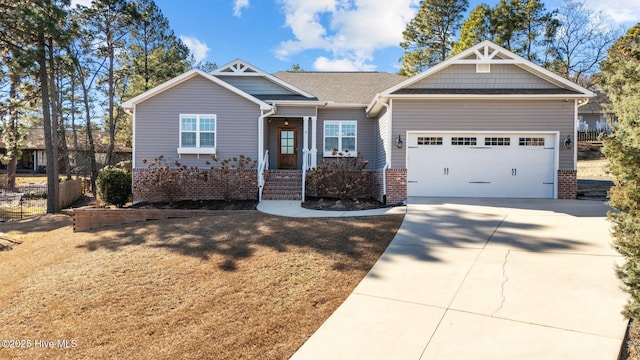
[{"x": 341, "y": 87}]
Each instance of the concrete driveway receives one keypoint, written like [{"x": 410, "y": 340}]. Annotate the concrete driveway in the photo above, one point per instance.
[{"x": 485, "y": 279}]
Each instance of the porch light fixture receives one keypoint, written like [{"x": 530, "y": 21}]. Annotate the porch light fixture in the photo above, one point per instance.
[
  {"x": 399, "y": 142},
  {"x": 567, "y": 142},
  {"x": 286, "y": 122}
]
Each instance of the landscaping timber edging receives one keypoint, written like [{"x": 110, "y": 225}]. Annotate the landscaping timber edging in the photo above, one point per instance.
[{"x": 94, "y": 218}]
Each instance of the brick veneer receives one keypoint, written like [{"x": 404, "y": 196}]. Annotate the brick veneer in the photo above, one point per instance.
[
  {"x": 396, "y": 186},
  {"x": 567, "y": 184},
  {"x": 213, "y": 187}
]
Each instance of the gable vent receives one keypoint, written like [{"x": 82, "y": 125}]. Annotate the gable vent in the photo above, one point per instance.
[{"x": 483, "y": 68}]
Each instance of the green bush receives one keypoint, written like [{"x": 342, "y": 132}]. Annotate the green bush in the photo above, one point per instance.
[{"x": 114, "y": 186}]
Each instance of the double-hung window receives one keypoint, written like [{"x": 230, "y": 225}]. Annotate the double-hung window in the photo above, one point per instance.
[
  {"x": 197, "y": 134},
  {"x": 340, "y": 136}
]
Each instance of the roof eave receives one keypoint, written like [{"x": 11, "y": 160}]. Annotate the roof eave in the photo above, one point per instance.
[
  {"x": 129, "y": 104},
  {"x": 489, "y": 96}
]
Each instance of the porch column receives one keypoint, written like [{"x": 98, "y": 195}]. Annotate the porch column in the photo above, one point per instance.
[
  {"x": 314, "y": 149},
  {"x": 305, "y": 141},
  {"x": 260, "y": 138}
]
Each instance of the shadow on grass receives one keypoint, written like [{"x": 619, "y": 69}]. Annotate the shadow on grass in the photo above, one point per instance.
[{"x": 231, "y": 236}]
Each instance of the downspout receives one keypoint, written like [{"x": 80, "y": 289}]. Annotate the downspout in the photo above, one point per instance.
[
  {"x": 261, "y": 147},
  {"x": 387, "y": 164}
]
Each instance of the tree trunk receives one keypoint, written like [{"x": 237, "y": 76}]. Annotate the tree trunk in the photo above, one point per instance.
[
  {"x": 112, "y": 122},
  {"x": 76, "y": 148},
  {"x": 92, "y": 148},
  {"x": 50, "y": 145},
  {"x": 10, "y": 181}
]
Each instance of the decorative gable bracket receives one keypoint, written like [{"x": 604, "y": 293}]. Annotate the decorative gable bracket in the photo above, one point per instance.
[{"x": 238, "y": 67}]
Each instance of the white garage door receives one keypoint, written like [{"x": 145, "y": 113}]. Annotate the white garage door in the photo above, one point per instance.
[{"x": 481, "y": 165}]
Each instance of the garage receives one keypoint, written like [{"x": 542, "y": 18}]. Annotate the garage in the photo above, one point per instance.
[{"x": 481, "y": 164}]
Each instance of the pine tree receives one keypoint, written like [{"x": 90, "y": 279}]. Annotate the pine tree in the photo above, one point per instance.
[
  {"x": 474, "y": 30},
  {"x": 428, "y": 38},
  {"x": 620, "y": 79}
]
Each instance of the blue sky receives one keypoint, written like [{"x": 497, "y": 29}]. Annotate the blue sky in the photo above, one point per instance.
[{"x": 322, "y": 35}]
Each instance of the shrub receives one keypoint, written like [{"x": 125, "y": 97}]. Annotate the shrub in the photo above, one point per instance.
[
  {"x": 228, "y": 179},
  {"x": 343, "y": 177},
  {"x": 114, "y": 186}
]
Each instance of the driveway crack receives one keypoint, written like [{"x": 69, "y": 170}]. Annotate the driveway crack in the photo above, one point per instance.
[{"x": 505, "y": 279}]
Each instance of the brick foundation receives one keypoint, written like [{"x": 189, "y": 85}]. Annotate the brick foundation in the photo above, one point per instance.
[
  {"x": 214, "y": 184},
  {"x": 396, "y": 186},
  {"x": 567, "y": 184}
]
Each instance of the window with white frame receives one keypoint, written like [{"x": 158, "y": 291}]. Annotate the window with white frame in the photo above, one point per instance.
[
  {"x": 197, "y": 134},
  {"x": 340, "y": 136}
]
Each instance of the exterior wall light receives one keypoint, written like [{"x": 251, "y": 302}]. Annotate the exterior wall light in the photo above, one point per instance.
[
  {"x": 567, "y": 142},
  {"x": 399, "y": 142}
]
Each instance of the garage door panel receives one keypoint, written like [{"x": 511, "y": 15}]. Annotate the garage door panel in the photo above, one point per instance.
[{"x": 481, "y": 165}]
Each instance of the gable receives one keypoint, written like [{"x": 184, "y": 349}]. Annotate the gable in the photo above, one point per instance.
[
  {"x": 486, "y": 71},
  {"x": 465, "y": 76},
  {"x": 259, "y": 83},
  {"x": 256, "y": 85},
  {"x": 191, "y": 74}
]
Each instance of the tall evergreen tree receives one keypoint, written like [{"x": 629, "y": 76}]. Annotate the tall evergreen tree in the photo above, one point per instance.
[
  {"x": 428, "y": 38},
  {"x": 155, "y": 54},
  {"x": 620, "y": 79},
  {"x": 520, "y": 26},
  {"x": 111, "y": 21},
  {"x": 30, "y": 28},
  {"x": 476, "y": 28}
]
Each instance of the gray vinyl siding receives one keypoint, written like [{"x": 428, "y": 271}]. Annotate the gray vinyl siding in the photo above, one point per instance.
[
  {"x": 500, "y": 77},
  {"x": 295, "y": 111},
  {"x": 255, "y": 85},
  {"x": 484, "y": 115},
  {"x": 366, "y": 131},
  {"x": 382, "y": 140},
  {"x": 157, "y": 129}
]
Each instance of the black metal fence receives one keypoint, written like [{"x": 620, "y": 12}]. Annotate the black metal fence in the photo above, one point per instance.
[
  {"x": 25, "y": 201},
  {"x": 592, "y": 135}
]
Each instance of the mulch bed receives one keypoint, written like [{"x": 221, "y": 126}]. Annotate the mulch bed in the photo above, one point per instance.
[
  {"x": 341, "y": 205},
  {"x": 199, "y": 205}
]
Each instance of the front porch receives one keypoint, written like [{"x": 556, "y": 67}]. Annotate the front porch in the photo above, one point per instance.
[{"x": 290, "y": 142}]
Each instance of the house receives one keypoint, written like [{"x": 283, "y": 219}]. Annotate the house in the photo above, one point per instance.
[
  {"x": 484, "y": 123},
  {"x": 34, "y": 157},
  {"x": 596, "y": 116}
]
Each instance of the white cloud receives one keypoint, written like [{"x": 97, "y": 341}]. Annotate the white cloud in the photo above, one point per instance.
[
  {"x": 352, "y": 30},
  {"x": 324, "y": 64},
  {"x": 75, "y": 3},
  {"x": 620, "y": 11},
  {"x": 198, "y": 49},
  {"x": 238, "y": 6}
]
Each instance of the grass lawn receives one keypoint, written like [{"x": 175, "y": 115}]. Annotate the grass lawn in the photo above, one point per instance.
[{"x": 240, "y": 285}]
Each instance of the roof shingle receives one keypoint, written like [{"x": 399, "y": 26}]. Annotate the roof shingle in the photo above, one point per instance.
[{"x": 341, "y": 87}]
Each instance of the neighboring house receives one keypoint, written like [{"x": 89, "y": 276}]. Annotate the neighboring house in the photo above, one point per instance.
[
  {"x": 34, "y": 158},
  {"x": 484, "y": 123},
  {"x": 596, "y": 115}
]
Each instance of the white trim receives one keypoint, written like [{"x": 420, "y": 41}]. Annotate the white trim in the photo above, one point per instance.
[
  {"x": 239, "y": 67},
  {"x": 326, "y": 153},
  {"x": 133, "y": 139},
  {"x": 198, "y": 149},
  {"x": 314, "y": 140},
  {"x": 186, "y": 76}
]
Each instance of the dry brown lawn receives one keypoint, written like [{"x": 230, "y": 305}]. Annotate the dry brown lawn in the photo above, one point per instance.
[{"x": 240, "y": 285}]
